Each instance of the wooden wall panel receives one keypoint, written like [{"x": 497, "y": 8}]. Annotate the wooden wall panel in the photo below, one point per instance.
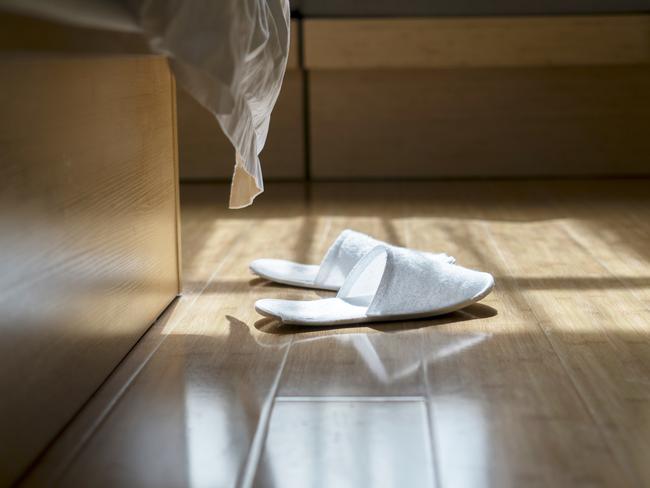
[
  {"x": 441, "y": 97},
  {"x": 294, "y": 62},
  {"x": 480, "y": 122},
  {"x": 88, "y": 194},
  {"x": 476, "y": 42},
  {"x": 24, "y": 33}
]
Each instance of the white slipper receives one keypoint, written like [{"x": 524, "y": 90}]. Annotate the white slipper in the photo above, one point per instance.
[
  {"x": 350, "y": 246},
  {"x": 388, "y": 283}
]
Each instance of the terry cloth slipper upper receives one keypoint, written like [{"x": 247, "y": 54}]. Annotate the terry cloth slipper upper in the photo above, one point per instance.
[
  {"x": 350, "y": 246},
  {"x": 388, "y": 283}
]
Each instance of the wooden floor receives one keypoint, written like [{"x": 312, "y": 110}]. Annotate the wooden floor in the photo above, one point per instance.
[{"x": 545, "y": 383}]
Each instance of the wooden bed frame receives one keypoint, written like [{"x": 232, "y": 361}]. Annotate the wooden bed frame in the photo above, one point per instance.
[{"x": 89, "y": 231}]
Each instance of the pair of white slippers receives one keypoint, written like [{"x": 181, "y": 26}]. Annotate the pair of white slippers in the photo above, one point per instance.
[{"x": 375, "y": 282}]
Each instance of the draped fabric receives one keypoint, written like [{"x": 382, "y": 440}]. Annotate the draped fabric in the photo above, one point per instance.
[{"x": 231, "y": 56}]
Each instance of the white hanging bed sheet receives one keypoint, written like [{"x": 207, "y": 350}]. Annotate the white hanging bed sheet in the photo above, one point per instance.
[{"x": 230, "y": 55}]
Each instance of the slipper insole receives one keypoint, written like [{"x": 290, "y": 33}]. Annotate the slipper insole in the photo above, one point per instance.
[{"x": 286, "y": 272}]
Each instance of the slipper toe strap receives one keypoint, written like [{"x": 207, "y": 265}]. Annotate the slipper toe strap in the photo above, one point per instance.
[
  {"x": 342, "y": 256},
  {"x": 406, "y": 282}
]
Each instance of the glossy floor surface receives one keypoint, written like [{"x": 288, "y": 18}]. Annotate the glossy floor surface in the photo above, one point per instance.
[{"x": 544, "y": 383}]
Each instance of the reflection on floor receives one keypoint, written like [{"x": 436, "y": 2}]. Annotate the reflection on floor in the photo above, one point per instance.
[{"x": 545, "y": 383}]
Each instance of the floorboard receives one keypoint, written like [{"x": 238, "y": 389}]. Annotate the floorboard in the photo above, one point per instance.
[
  {"x": 545, "y": 383},
  {"x": 504, "y": 411}
]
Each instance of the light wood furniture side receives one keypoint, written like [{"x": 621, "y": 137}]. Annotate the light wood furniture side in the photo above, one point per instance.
[
  {"x": 476, "y": 42},
  {"x": 206, "y": 153},
  {"x": 88, "y": 232}
]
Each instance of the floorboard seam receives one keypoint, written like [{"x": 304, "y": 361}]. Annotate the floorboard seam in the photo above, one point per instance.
[
  {"x": 625, "y": 466},
  {"x": 259, "y": 438},
  {"x": 105, "y": 412},
  {"x": 572, "y": 235},
  {"x": 257, "y": 444},
  {"x": 428, "y": 405}
]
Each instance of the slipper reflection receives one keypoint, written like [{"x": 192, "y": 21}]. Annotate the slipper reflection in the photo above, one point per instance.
[{"x": 317, "y": 436}]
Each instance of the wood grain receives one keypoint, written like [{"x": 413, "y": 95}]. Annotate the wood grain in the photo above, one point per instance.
[
  {"x": 479, "y": 122},
  {"x": 87, "y": 230},
  {"x": 610, "y": 362},
  {"x": 231, "y": 395},
  {"x": 545, "y": 383},
  {"x": 294, "y": 61},
  {"x": 476, "y": 42},
  {"x": 504, "y": 399}
]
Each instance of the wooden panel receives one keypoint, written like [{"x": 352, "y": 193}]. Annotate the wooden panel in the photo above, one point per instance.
[
  {"x": 88, "y": 196},
  {"x": 24, "y": 33},
  {"x": 473, "y": 42},
  {"x": 206, "y": 153},
  {"x": 294, "y": 61},
  {"x": 480, "y": 122}
]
